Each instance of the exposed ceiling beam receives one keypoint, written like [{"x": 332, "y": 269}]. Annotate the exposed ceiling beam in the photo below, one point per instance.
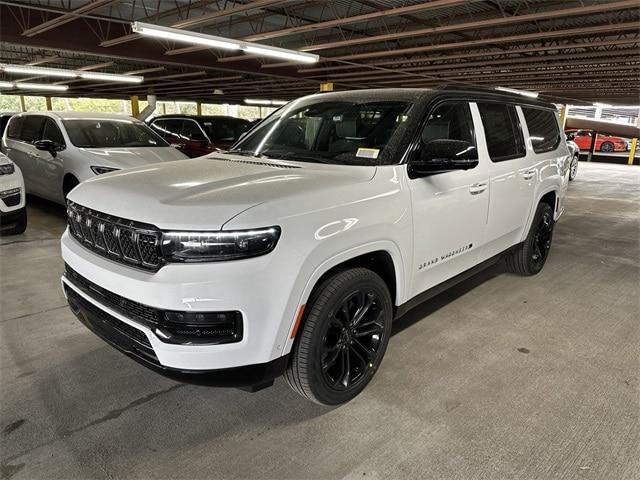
[
  {"x": 493, "y": 22},
  {"x": 365, "y": 17},
  {"x": 67, "y": 17},
  {"x": 620, "y": 27}
]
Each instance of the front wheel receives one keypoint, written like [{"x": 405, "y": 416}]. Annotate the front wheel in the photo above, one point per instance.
[
  {"x": 345, "y": 334},
  {"x": 529, "y": 257}
]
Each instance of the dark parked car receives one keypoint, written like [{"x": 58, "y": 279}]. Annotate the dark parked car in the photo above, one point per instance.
[{"x": 197, "y": 135}]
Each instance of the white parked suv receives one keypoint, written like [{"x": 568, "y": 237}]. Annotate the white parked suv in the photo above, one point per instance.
[
  {"x": 293, "y": 252},
  {"x": 58, "y": 150},
  {"x": 13, "y": 212}
]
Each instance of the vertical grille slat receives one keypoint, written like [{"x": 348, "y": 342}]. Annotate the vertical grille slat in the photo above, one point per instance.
[{"x": 118, "y": 239}]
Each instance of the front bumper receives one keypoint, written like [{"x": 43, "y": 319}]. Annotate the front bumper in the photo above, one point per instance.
[
  {"x": 134, "y": 343},
  {"x": 246, "y": 286}
]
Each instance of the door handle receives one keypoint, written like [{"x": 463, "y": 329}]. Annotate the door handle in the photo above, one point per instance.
[
  {"x": 529, "y": 174},
  {"x": 477, "y": 188}
]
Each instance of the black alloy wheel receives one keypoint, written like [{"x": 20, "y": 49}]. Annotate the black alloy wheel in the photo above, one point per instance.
[
  {"x": 352, "y": 339},
  {"x": 542, "y": 240},
  {"x": 528, "y": 258},
  {"x": 342, "y": 338}
]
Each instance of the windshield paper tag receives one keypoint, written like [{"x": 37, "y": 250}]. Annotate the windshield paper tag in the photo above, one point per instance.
[{"x": 367, "y": 153}]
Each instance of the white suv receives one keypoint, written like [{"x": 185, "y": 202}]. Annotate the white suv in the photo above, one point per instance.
[
  {"x": 293, "y": 252},
  {"x": 13, "y": 211},
  {"x": 58, "y": 150}
]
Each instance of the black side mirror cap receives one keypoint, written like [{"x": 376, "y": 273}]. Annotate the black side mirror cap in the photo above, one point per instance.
[
  {"x": 48, "y": 146},
  {"x": 443, "y": 155}
]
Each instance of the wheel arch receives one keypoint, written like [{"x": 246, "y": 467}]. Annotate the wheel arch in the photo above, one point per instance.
[
  {"x": 549, "y": 196},
  {"x": 383, "y": 258},
  {"x": 67, "y": 180}
]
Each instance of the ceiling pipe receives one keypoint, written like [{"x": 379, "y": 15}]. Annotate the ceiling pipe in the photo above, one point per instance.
[{"x": 149, "y": 109}]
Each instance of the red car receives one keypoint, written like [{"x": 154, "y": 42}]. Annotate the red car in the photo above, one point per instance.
[
  {"x": 604, "y": 143},
  {"x": 197, "y": 135}
]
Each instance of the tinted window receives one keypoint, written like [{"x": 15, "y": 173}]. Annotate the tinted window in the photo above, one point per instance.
[
  {"x": 4, "y": 119},
  {"x": 52, "y": 132},
  {"x": 502, "y": 131},
  {"x": 32, "y": 128},
  {"x": 543, "y": 129},
  {"x": 15, "y": 125},
  {"x": 169, "y": 129},
  {"x": 191, "y": 131},
  {"x": 451, "y": 121},
  {"x": 111, "y": 133},
  {"x": 224, "y": 129}
]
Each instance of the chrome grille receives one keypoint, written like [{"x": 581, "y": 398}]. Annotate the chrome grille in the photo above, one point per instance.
[{"x": 125, "y": 241}]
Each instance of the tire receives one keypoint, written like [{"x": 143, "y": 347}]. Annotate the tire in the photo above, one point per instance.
[
  {"x": 529, "y": 257},
  {"x": 332, "y": 336},
  {"x": 606, "y": 147},
  {"x": 20, "y": 225},
  {"x": 573, "y": 167},
  {"x": 69, "y": 184}
]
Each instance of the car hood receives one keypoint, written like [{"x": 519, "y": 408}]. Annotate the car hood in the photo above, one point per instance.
[
  {"x": 204, "y": 193},
  {"x": 131, "y": 157}
]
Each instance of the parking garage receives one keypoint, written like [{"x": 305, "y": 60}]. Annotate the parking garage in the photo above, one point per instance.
[{"x": 165, "y": 163}]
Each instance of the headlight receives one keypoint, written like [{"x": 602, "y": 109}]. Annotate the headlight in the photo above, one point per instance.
[
  {"x": 101, "y": 170},
  {"x": 218, "y": 246},
  {"x": 7, "y": 169}
]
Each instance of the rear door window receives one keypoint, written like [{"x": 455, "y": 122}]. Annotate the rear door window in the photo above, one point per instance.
[
  {"x": 502, "y": 131},
  {"x": 543, "y": 129}
]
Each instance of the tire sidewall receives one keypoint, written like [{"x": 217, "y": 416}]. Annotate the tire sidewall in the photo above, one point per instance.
[
  {"x": 319, "y": 387},
  {"x": 542, "y": 209}
]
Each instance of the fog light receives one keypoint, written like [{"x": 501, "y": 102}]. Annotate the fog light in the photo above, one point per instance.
[{"x": 200, "y": 328}]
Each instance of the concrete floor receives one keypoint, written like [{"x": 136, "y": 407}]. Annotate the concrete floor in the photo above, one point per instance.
[{"x": 501, "y": 377}]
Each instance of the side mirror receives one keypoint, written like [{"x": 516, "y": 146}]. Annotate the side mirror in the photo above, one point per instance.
[
  {"x": 48, "y": 146},
  {"x": 443, "y": 155}
]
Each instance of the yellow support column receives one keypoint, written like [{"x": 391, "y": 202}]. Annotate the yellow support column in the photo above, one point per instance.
[
  {"x": 563, "y": 116},
  {"x": 135, "y": 106},
  {"x": 22, "y": 105},
  {"x": 198, "y": 108},
  {"x": 326, "y": 87},
  {"x": 48, "y": 102},
  {"x": 632, "y": 150}
]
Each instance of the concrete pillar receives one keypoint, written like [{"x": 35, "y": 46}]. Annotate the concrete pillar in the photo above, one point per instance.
[
  {"x": 48, "y": 102},
  {"x": 326, "y": 87},
  {"x": 198, "y": 108},
  {"x": 563, "y": 116},
  {"x": 23, "y": 107},
  {"x": 135, "y": 106},
  {"x": 632, "y": 150}
]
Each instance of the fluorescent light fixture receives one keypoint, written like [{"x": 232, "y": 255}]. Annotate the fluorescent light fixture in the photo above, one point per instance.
[
  {"x": 268, "y": 51},
  {"x": 30, "y": 70},
  {"x": 41, "y": 86},
  {"x": 257, "y": 101},
  {"x": 111, "y": 77},
  {"x": 177, "y": 35},
  {"x": 518, "y": 92},
  {"x": 601, "y": 105},
  {"x": 6, "y": 85},
  {"x": 58, "y": 72},
  {"x": 195, "y": 38}
]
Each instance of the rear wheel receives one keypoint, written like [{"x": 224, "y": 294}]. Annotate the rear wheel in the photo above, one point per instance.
[
  {"x": 573, "y": 168},
  {"x": 606, "y": 147},
  {"x": 529, "y": 257},
  {"x": 343, "y": 339}
]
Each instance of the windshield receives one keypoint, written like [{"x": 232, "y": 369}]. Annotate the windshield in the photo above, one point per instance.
[
  {"x": 111, "y": 133},
  {"x": 224, "y": 129},
  {"x": 338, "y": 132}
]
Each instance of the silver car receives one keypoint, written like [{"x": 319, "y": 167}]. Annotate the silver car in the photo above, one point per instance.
[{"x": 58, "y": 150}]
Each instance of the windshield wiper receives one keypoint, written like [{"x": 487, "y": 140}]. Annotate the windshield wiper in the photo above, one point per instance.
[{"x": 281, "y": 155}]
